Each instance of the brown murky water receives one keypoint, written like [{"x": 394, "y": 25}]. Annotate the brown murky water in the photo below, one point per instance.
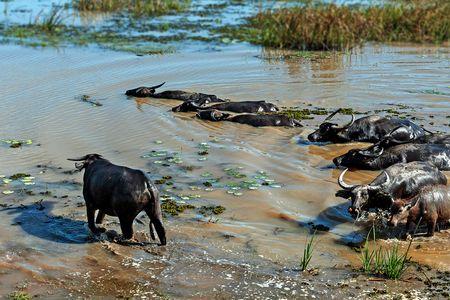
[{"x": 47, "y": 250}]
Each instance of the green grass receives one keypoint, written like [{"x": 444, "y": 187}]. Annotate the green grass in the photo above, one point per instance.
[
  {"x": 389, "y": 262},
  {"x": 136, "y": 7},
  {"x": 332, "y": 27},
  {"x": 307, "y": 252},
  {"x": 19, "y": 296},
  {"x": 51, "y": 20}
]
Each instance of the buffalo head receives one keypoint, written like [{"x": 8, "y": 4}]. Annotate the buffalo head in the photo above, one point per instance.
[
  {"x": 83, "y": 162},
  {"x": 329, "y": 132},
  {"x": 360, "y": 194},
  {"x": 358, "y": 157},
  {"x": 143, "y": 91}
]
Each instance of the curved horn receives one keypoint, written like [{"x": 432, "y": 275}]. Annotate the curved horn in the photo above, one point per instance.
[
  {"x": 78, "y": 159},
  {"x": 342, "y": 183},
  {"x": 388, "y": 178},
  {"x": 157, "y": 86},
  {"x": 332, "y": 114},
  {"x": 350, "y": 123},
  {"x": 373, "y": 154}
]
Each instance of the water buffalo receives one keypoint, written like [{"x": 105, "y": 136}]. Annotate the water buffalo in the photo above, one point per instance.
[
  {"x": 249, "y": 119},
  {"x": 143, "y": 91},
  {"x": 399, "y": 181},
  {"x": 118, "y": 191},
  {"x": 237, "y": 107},
  {"x": 369, "y": 159},
  {"x": 402, "y": 135},
  {"x": 431, "y": 206},
  {"x": 366, "y": 129}
]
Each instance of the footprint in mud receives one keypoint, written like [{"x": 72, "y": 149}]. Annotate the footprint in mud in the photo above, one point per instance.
[{"x": 38, "y": 221}]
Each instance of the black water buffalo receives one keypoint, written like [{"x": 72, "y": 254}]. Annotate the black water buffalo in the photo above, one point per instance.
[
  {"x": 237, "y": 107},
  {"x": 119, "y": 191},
  {"x": 366, "y": 129},
  {"x": 400, "y": 181},
  {"x": 402, "y": 135},
  {"x": 249, "y": 119},
  {"x": 143, "y": 91},
  {"x": 430, "y": 206},
  {"x": 369, "y": 159}
]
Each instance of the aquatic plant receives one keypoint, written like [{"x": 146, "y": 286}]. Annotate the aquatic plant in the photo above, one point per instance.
[
  {"x": 136, "y": 7},
  {"x": 333, "y": 27},
  {"x": 388, "y": 262},
  {"x": 51, "y": 20},
  {"x": 307, "y": 252}
]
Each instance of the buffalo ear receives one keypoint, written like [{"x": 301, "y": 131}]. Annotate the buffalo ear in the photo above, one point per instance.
[{"x": 344, "y": 194}]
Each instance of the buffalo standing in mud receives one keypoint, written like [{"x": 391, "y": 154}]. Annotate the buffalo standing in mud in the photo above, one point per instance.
[
  {"x": 400, "y": 181},
  {"x": 143, "y": 92},
  {"x": 119, "y": 191},
  {"x": 250, "y": 119},
  {"x": 237, "y": 107},
  {"x": 366, "y": 129},
  {"x": 368, "y": 159},
  {"x": 431, "y": 206}
]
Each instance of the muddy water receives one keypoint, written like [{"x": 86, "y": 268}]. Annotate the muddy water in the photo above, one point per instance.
[{"x": 261, "y": 232}]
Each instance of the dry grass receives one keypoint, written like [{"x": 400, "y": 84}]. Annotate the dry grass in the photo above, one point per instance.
[
  {"x": 136, "y": 7},
  {"x": 332, "y": 27}
]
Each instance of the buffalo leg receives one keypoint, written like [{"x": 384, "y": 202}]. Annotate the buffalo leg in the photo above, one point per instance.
[
  {"x": 156, "y": 219},
  {"x": 431, "y": 227},
  {"x": 126, "y": 224},
  {"x": 100, "y": 217},
  {"x": 90, "y": 216}
]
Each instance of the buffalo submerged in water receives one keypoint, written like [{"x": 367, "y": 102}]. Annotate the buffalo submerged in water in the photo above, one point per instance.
[
  {"x": 118, "y": 191},
  {"x": 143, "y": 92},
  {"x": 237, "y": 107},
  {"x": 369, "y": 159},
  {"x": 256, "y": 120},
  {"x": 366, "y": 129}
]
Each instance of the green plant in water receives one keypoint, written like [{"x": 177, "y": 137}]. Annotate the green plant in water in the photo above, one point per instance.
[
  {"x": 307, "y": 252},
  {"x": 389, "y": 262},
  {"x": 136, "y": 7},
  {"x": 50, "y": 21}
]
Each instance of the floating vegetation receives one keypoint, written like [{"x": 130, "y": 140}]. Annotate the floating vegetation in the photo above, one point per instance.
[
  {"x": 338, "y": 27},
  {"x": 172, "y": 207},
  {"x": 135, "y": 7},
  {"x": 19, "y": 296},
  {"x": 428, "y": 92},
  {"x": 16, "y": 143},
  {"x": 19, "y": 176},
  {"x": 210, "y": 210},
  {"x": 8, "y": 192}
]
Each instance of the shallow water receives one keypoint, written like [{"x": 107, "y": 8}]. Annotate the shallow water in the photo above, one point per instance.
[{"x": 261, "y": 230}]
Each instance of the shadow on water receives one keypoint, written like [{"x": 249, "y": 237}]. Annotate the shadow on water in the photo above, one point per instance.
[{"x": 37, "y": 220}]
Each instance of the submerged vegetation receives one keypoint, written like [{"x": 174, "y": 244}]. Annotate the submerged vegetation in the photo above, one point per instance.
[
  {"x": 333, "y": 27},
  {"x": 136, "y": 7}
]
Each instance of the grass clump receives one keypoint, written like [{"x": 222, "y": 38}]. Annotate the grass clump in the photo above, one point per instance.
[
  {"x": 209, "y": 210},
  {"x": 19, "y": 296},
  {"x": 50, "y": 21},
  {"x": 307, "y": 252},
  {"x": 136, "y": 7},
  {"x": 333, "y": 27},
  {"x": 390, "y": 262}
]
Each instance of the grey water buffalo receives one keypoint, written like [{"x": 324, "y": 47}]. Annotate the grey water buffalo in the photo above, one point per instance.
[
  {"x": 400, "y": 181},
  {"x": 430, "y": 206},
  {"x": 377, "y": 158},
  {"x": 256, "y": 120},
  {"x": 143, "y": 92},
  {"x": 366, "y": 129},
  {"x": 118, "y": 191},
  {"x": 237, "y": 107}
]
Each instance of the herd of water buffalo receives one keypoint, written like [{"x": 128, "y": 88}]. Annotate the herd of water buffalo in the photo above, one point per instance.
[{"x": 411, "y": 186}]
